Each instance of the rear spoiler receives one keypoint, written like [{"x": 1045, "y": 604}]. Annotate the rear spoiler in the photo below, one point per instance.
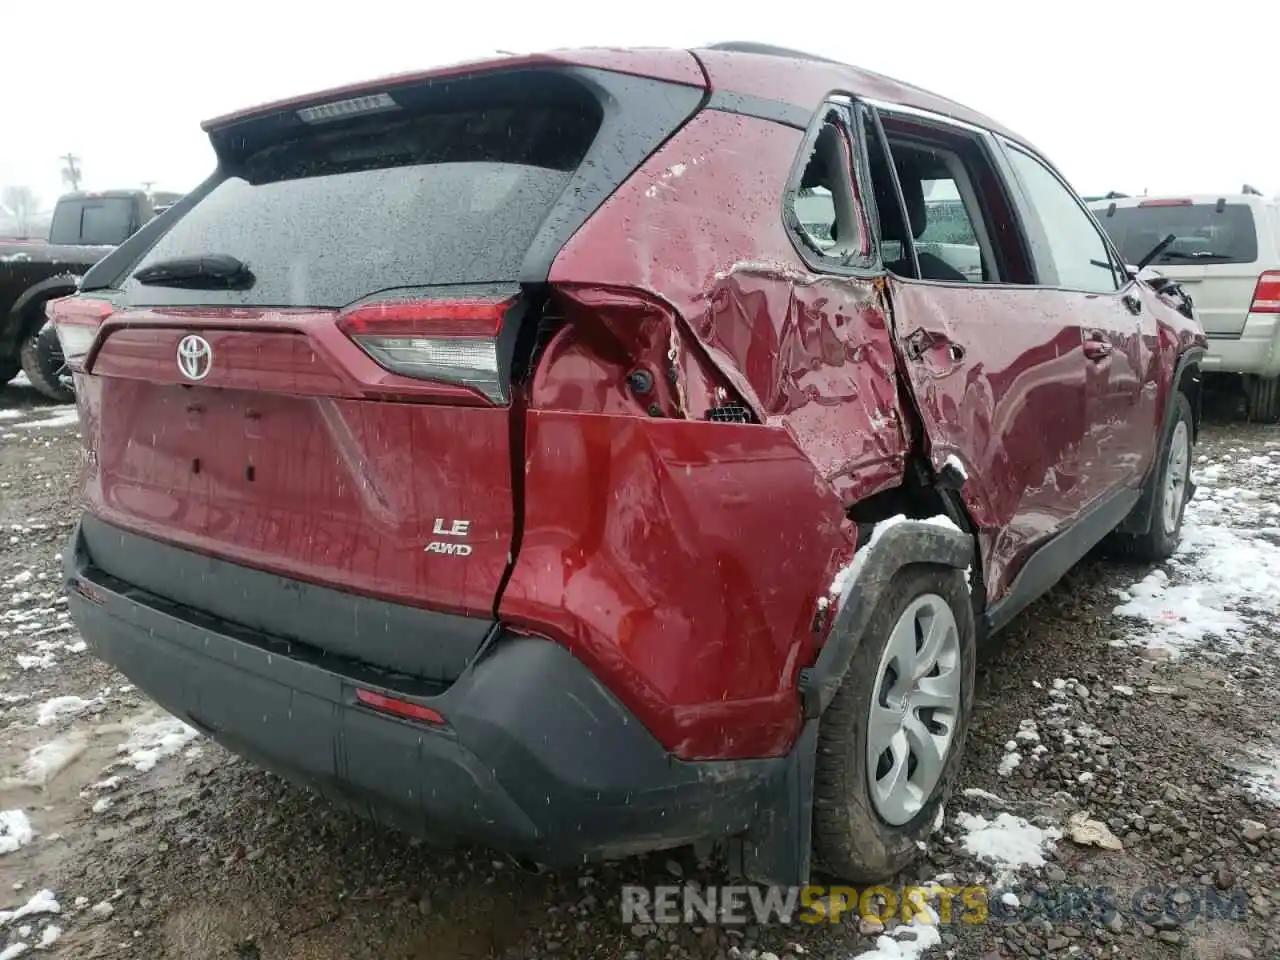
[
  {"x": 673, "y": 66},
  {"x": 638, "y": 114}
]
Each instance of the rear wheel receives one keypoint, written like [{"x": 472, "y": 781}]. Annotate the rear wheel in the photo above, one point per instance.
[
  {"x": 1262, "y": 395},
  {"x": 43, "y": 363},
  {"x": 889, "y": 744}
]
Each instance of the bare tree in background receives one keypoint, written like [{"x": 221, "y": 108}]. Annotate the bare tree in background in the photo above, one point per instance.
[
  {"x": 71, "y": 172},
  {"x": 22, "y": 205}
]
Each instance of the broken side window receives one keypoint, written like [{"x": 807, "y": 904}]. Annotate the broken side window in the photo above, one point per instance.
[{"x": 824, "y": 208}]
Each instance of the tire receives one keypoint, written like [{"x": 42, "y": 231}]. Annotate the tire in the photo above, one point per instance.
[
  {"x": 9, "y": 367},
  {"x": 1159, "y": 542},
  {"x": 43, "y": 364},
  {"x": 858, "y": 835},
  {"x": 1262, "y": 396}
]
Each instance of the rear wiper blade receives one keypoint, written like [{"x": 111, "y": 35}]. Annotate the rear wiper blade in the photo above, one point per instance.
[
  {"x": 1193, "y": 255},
  {"x": 218, "y": 271}
]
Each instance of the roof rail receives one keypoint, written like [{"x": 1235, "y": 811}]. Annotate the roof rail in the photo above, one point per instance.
[{"x": 766, "y": 49}]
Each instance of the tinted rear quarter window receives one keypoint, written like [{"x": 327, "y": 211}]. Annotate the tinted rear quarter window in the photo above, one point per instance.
[
  {"x": 338, "y": 215},
  {"x": 1203, "y": 233}
]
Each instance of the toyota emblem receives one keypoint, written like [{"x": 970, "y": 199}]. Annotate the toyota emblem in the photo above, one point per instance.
[{"x": 195, "y": 357}]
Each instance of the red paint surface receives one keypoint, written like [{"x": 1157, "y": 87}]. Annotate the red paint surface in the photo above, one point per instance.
[
  {"x": 1042, "y": 431},
  {"x": 806, "y": 83},
  {"x": 291, "y": 351},
  {"x": 810, "y": 354},
  {"x": 347, "y": 483},
  {"x": 682, "y": 562}
]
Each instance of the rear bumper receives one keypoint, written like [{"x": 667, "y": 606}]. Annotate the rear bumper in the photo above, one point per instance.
[
  {"x": 1256, "y": 350},
  {"x": 535, "y": 756}
]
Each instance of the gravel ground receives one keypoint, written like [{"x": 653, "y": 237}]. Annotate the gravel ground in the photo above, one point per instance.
[{"x": 1157, "y": 725}]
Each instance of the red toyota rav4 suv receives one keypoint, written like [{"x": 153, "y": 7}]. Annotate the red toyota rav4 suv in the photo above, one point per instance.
[{"x": 594, "y": 452}]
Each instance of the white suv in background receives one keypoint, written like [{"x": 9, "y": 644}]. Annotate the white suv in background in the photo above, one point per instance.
[{"x": 1227, "y": 258}]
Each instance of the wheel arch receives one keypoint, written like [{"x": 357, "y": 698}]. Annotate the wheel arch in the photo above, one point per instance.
[
  {"x": 893, "y": 547},
  {"x": 24, "y": 317}
]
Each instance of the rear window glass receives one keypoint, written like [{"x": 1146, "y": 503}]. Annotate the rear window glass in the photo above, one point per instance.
[
  {"x": 1203, "y": 234},
  {"x": 329, "y": 219},
  {"x": 103, "y": 222}
]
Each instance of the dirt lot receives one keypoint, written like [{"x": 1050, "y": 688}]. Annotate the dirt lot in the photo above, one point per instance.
[{"x": 1158, "y": 722}]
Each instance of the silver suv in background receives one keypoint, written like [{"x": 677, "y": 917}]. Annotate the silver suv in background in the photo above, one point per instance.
[{"x": 1226, "y": 256}]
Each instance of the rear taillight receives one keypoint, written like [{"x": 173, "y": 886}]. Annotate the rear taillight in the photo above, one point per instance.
[
  {"x": 76, "y": 321},
  {"x": 448, "y": 341},
  {"x": 1266, "y": 295}
]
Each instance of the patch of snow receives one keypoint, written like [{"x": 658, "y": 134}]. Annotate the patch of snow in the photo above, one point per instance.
[
  {"x": 153, "y": 738},
  {"x": 63, "y": 416},
  {"x": 13, "y": 951},
  {"x": 982, "y": 794},
  {"x": 954, "y": 463},
  {"x": 847, "y": 575},
  {"x": 103, "y": 804},
  {"x": 41, "y": 902},
  {"x": 53, "y": 710},
  {"x": 1263, "y": 778},
  {"x": 1224, "y": 578},
  {"x": 1010, "y": 761},
  {"x": 927, "y": 935},
  {"x": 1007, "y": 842},
  {"x": 49, "y": 759},
  {"x": 15, "y": 830},
  {"x": 49, "y": 936}
]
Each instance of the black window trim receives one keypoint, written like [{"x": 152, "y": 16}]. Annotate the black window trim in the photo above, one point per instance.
[
  {"x": 1042, "y": 258},
  {"x": 842, "y": 104}
]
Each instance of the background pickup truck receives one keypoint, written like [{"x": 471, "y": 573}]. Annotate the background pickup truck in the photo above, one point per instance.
[{"x": 84, "y": 229}]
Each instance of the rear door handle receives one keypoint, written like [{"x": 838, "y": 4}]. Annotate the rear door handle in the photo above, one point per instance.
[{"x": 1095, "y": 348}]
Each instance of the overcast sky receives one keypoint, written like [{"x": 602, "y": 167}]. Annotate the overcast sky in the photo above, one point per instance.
[{"x": 1118, "y": 96}]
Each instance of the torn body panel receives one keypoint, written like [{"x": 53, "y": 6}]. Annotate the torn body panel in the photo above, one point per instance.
[
  {"x": 683, "y": 563},
  {"x": 806, "y": 352},
  {"x": 645, "y": 511}
]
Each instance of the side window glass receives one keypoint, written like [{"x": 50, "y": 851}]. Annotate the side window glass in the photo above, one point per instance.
[
  {"x": 943, "y": 211},
  {"x": 1077, "y": 251},
  {"x": 824, "y": 208},
  {"x": 949, "y": 233}
]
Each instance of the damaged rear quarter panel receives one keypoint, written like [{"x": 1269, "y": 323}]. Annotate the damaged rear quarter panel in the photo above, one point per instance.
[
  {"x": 682, "y": 563},
  {"x": 700, "y": 227},
  {"x": 684, "y": 560}
]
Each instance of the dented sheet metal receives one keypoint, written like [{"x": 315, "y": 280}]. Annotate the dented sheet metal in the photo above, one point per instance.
[{"x": 811, "y": 354}]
